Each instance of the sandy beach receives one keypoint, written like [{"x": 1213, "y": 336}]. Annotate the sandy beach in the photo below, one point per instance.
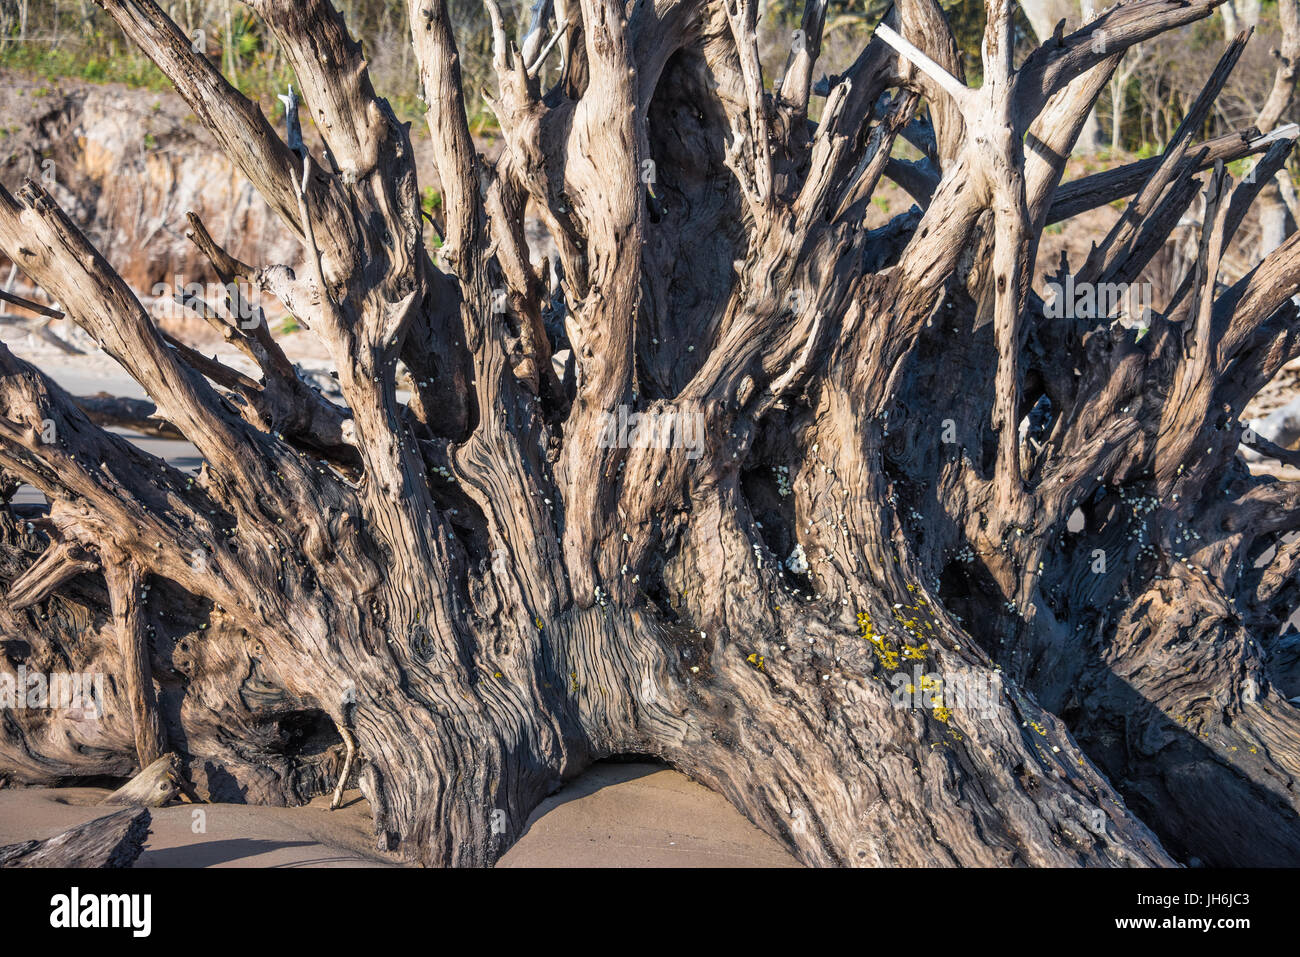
[{"x": 615, "y": 815}]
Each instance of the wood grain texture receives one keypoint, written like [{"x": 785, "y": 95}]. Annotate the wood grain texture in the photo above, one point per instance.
[
  {"x": 112, "y": 841},
  {"x": 469, "y": 597}
]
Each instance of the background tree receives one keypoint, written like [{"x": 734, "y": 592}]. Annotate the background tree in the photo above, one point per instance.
[
  {"x": 1043, "y": 16},
  {"x": 483, "y": 593}
]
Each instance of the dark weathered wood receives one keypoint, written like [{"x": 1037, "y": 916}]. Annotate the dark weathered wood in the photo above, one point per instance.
[
  {"x": 35, "y": 307},
  {"x": 1089, "y": 192},
  {"x": 138, "y": 415},
  {"x": 115, "y": 840},
  {"x": 471, "y": 596}
]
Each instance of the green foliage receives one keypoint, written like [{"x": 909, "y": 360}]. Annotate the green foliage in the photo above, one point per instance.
[
  {"x": 1240, "y": 167},
  {"x": 83, "y": 63}
]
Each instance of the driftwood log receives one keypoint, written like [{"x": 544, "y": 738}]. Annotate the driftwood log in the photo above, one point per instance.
[
  {"x": 155, "y": 786},
  {"x": 834, "y": 581},
  {"x": 115, "y": 840},
  {"x": 135, "y": 414}
]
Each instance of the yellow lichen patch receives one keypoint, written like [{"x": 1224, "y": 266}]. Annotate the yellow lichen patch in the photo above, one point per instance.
[
  {"x": 943, "y": 714},
  {"x": 887, "y": 656},
  {"x": 756, "y": 660},
  {"x": 538, "y": 622},
  {"x": 916, "y": 652}
]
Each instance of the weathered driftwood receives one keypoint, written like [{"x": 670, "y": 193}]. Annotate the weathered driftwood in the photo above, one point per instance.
[
  {"x": 156, "y": 786},
  {"x": 139, "y": 415},
  {"x": 1280, "y": 428},
  {"x": 114, "y": 840},
  {"x": 487, "y": 587}
]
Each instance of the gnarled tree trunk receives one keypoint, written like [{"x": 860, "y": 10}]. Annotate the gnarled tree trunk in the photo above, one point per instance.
[{"x": 856, "y": 608}]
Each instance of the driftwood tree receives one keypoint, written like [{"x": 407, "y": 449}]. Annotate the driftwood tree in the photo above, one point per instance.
[
  {"x": 112, "y": 841},
  {"x": 485, "y": 587}
]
